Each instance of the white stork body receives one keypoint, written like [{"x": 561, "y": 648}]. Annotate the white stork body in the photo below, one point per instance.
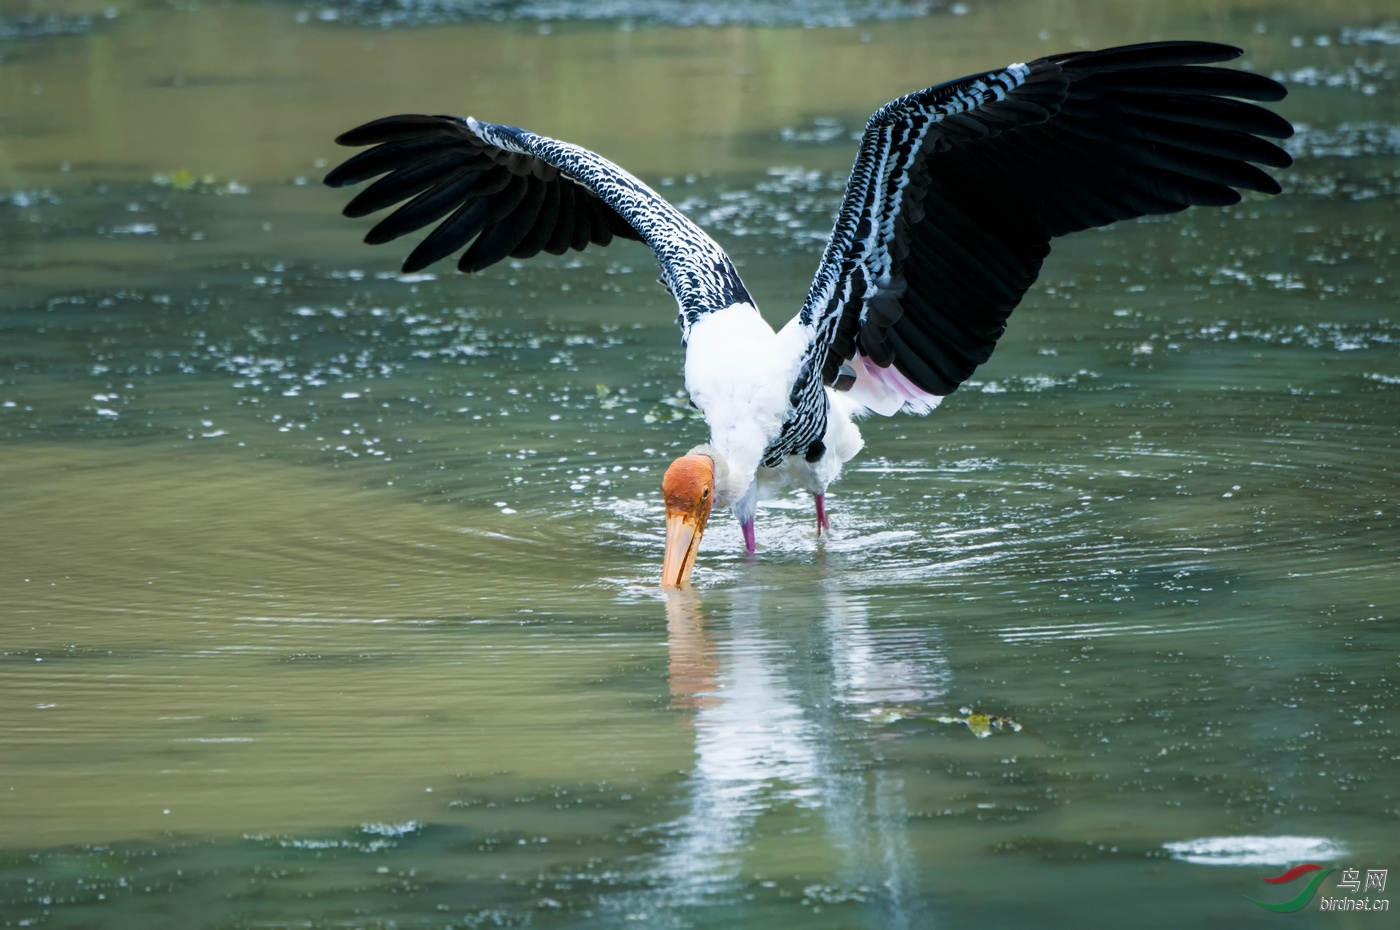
[
  {"x": 740, "y": 374},
  {"x": 952, "y": 202}
]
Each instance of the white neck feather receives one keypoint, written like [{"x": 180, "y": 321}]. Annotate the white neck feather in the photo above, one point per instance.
[{"x": 740, "y": 374}]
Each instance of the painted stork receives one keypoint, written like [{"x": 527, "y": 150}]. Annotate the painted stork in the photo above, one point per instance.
[{"x": 956, "y": 193}]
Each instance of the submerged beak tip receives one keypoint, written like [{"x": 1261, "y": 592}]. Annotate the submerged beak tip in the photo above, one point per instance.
[{"x": 683, "y": 534}]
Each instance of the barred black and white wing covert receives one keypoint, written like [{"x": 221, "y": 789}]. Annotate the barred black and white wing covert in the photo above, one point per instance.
[
  {"x": 957, "y": 191},
  {"x": 513, "y": 194}
]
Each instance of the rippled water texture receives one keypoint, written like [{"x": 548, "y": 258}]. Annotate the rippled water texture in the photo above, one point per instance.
[{"x": 328, "y": 595}]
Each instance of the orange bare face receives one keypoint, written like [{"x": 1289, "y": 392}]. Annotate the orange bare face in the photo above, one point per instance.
[{"x": 689, "y": 489}]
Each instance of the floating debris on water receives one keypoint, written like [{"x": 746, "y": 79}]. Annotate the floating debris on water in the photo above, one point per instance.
[
  {"x": 1255, "y": 850},
  {"x": 980, "y": 724}
]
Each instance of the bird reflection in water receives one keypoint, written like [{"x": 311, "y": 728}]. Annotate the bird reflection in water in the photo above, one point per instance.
[
  {"x": 778, "y": 702},
  {"x": 693, "y": 669}
]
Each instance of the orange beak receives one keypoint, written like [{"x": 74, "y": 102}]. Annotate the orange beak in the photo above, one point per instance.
[{"x": 689, "y": 489}]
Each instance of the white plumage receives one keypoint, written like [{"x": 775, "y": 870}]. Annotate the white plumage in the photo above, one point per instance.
[{"x": 740, "y": 374}]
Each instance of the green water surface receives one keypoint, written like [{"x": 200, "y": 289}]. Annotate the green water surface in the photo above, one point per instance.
[{"x": 328, "y": 596}]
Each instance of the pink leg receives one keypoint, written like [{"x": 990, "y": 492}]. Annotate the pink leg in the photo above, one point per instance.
[
  {"x": 750, "y": 543},
  {"x": 822, "y": 522}
]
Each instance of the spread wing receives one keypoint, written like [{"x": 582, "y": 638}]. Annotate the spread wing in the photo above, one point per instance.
[
  {"x": 957, "y": 191},
  {"x": 512, "y": 193}
]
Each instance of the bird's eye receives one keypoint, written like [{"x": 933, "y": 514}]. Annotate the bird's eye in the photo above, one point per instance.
[{"x": 704, "y": 493}]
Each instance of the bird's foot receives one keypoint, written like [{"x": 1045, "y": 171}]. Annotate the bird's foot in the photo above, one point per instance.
[
  {"x": 750, "y": 542},
  {"x": 822, "y": 522}
]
